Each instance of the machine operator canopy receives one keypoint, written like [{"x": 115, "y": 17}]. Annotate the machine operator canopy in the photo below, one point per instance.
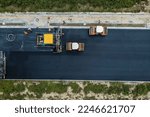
[{"x": 48, "y": 39}]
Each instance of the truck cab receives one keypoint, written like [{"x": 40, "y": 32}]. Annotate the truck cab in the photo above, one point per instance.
[
  {"x": 98, "y": 30},
  {"x": 74, "y": 46}
]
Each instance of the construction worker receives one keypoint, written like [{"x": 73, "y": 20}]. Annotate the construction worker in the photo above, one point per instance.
[{"x": 28, "y": 31}]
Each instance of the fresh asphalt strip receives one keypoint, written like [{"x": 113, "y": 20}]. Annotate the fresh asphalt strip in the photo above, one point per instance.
[{"x": 124, "y": 54}]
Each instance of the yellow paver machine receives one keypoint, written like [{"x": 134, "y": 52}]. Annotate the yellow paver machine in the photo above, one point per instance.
[{"x": 51, "y": 39}]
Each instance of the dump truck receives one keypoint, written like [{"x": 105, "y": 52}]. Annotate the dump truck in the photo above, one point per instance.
[
  {"x": 98, "y": 30},
  {"x": 74, "y": 46}
]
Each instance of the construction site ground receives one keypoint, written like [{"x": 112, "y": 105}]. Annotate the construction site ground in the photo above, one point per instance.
[{"x": 76, "y": 19}]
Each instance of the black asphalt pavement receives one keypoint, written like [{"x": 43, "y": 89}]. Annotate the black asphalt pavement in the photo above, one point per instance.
[{"x": 122, "y": 55}]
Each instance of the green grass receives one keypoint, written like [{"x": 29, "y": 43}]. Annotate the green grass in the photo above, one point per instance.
[
  {"x": 65, "y": 5},
  {"x": 118, "y": 88},
  {"x": 75, "y": 87},
  {"x": 96, "y": 88},
  {"x": 38, "y": 88},
  {"x": 8, "y": 87},
  {"x": 141, "y": 89},
  {"x": 115, "y": 88},
  {"x": 49, "y": 87},
  {"x": 57, "y": 87}
]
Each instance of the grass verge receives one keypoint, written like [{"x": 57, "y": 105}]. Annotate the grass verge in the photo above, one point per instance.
[
  {"x": 82, "y": 90},
  {"x": 70, "y": 5}
]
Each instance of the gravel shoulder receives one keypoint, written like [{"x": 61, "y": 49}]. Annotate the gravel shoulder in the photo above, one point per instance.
[{"x": 47, "y": 19}]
